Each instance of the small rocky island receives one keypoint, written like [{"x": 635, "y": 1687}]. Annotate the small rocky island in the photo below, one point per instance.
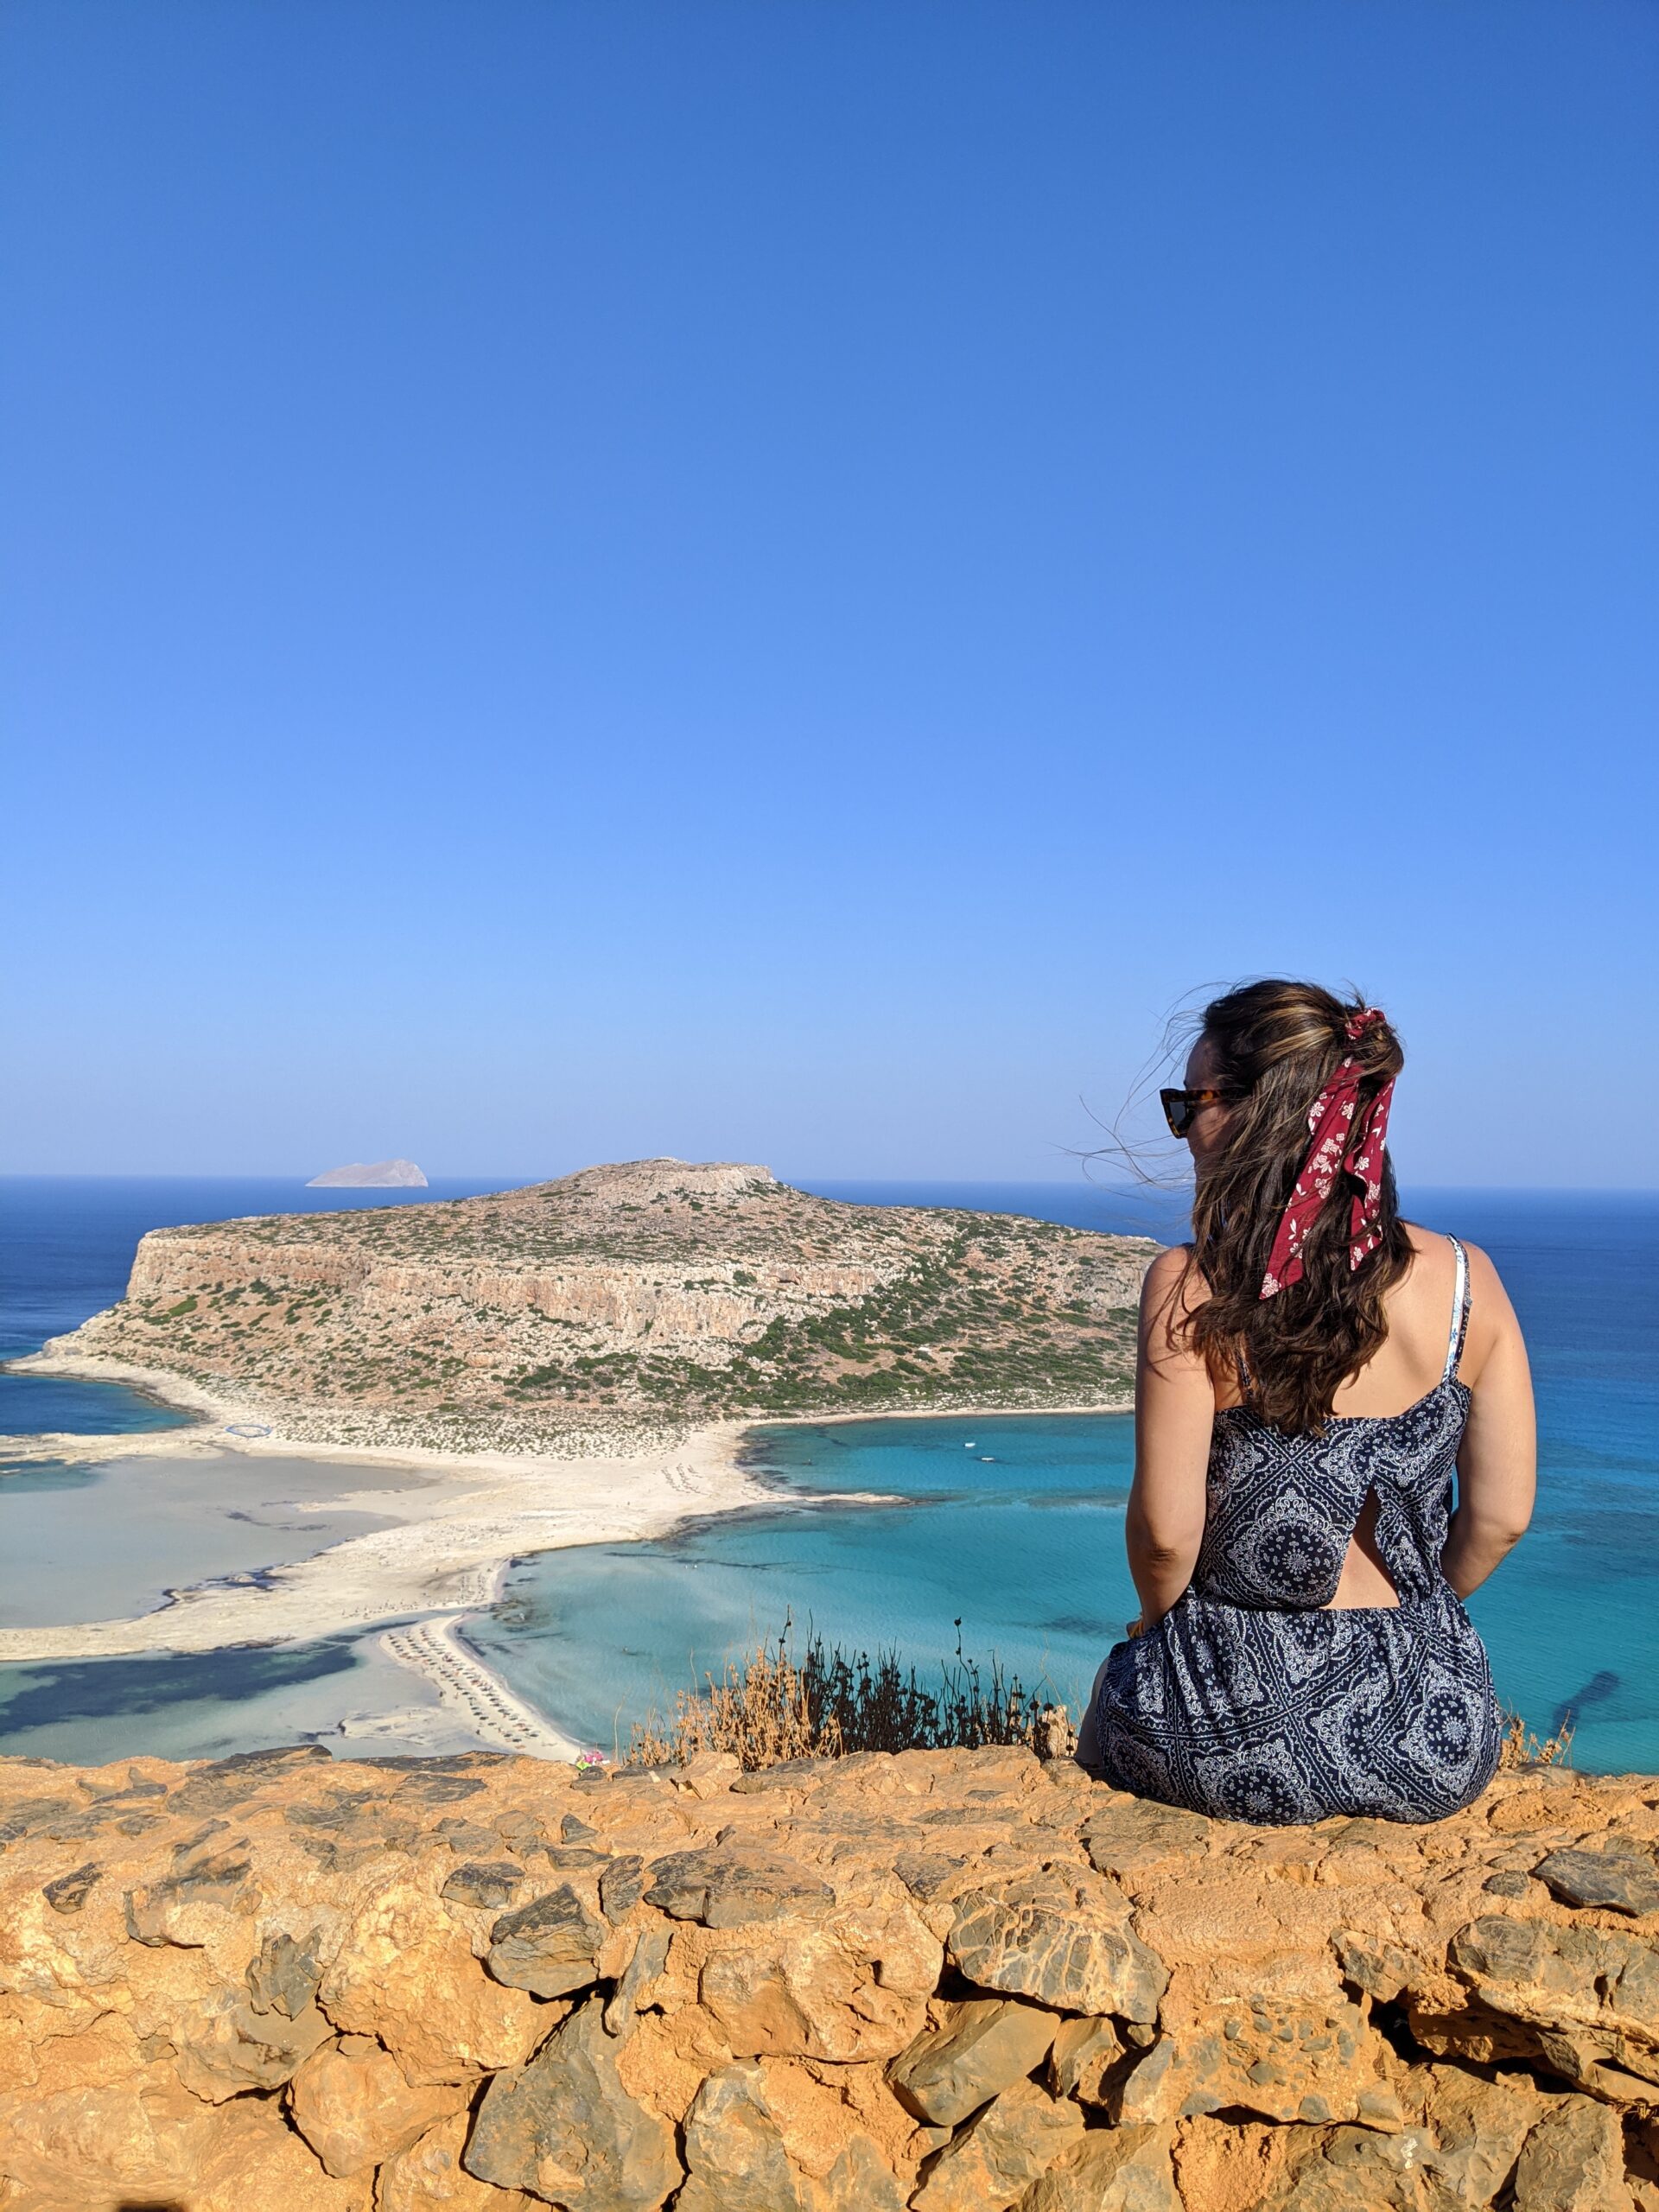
[
  {"x": 950, "y": 1981},
  {"x": 372, "y": 1175},
  {"x": 652, "y": 1293}
]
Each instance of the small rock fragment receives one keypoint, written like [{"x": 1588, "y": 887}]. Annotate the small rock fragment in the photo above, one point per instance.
[
  {"x": 622, "y": 1884},
  {"x": 725, "y": 1889},
  {"x": 548, "y": 1947},
  {"x": 428, "y": 2176},
  {"x": 1112, "y": 2170},
  {"x": 70, "y": 1891},
  {"x": 353, "y": 2106},
  {"x": 1573, "y": 2161},
  {"x": 1601, "y": 1878},
  {"x": 1059, "y": 1940},
  {"x": 285, "y": 1977},
  {"x": 983, "y": 2047},
  {"x": 563, "y": 2127},
  {"x": 1085, "y": 2053},
  {"x": 997, "y": 2155},
  {"x": 492, "y": 1883},
  {"x": 735, "y": 2155}
]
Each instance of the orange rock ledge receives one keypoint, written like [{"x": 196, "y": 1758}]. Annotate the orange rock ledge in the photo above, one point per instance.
[{"x": 952, "y": 1981}]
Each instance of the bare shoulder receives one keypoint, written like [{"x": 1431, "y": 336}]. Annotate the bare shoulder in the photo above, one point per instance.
[
  {"x": 1172, "y": 1275},
  {"x": 1491, "y": 1317},
  {"x": 1488, "y": 1301},
  {"x": 1436, "y": 1259}
]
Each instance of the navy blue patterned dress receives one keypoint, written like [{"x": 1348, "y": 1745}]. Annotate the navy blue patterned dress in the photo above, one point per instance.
[{"x": 1251, "y": 1700}]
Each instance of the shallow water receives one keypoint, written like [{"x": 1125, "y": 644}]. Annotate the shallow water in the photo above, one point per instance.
[
  {"x": 108, "y": 1541},
  {"x": 199, "y": 1705}
]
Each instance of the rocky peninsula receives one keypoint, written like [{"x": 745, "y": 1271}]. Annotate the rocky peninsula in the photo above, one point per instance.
[
  {"x": 643, "y": 1300},
  {"x": 948, "y": 1981}
]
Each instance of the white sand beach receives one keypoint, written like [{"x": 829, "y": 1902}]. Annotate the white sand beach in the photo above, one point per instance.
[{"x": 441, "y": 1531}]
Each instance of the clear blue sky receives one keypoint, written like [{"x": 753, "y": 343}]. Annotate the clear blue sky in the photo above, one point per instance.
[{"x": 775, "y": 581}]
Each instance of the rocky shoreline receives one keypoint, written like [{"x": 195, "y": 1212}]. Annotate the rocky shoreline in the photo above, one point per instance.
[{"x": 949, "y": 1981}]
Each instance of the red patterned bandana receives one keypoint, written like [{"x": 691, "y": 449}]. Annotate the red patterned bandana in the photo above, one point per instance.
[{"x": 1342, "y": 1136}]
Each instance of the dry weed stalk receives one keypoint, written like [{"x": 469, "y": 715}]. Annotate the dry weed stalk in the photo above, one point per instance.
[
  {"x": 769, "y": 1709},
  {"x": 1522, "y": 1749}
]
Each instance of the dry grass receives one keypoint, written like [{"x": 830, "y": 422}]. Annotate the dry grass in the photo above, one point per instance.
[
  {"x": 769, "y": 1709},
  {"x": 1522, "y": 1749}
]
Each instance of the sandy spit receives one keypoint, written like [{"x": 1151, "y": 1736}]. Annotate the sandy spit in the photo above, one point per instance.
[{"x": 454, "y": 1536}]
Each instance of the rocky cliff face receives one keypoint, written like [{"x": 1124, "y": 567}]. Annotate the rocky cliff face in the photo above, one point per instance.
[
  {"x": 670, "y": 1293},
  {"x": 948, "y": 1981}
]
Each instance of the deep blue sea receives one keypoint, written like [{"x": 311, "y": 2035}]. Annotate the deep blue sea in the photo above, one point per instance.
[{"x": 1011, "y": 1525}]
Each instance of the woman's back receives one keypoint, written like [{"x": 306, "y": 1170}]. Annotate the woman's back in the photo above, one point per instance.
[
  {"x": 1364, "y": 1502},
  {"x": 1409, "y": 1360}
]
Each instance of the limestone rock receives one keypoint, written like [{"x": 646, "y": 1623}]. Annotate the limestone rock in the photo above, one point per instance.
[
  {"x": 1477, "y": 2125},
  {"x": 735, "y": 2155},
  {"x": 548, "y": 1947},
  {"x": 1112, "y": 2170},
  {"x": 1354, "y": 2169},
  {"x": 70, "y": 1891},
  {"x": 1284, "y": 2060},
  {"x": 564, "y": 2128},
  {"x": 638, "y": 1980},
  {"x": 284, "y": 1976},
  {"x": 1609, "y": 1880},
  {"x": 142, "y": 2143},
  {"x": 226, "y": 2048},
  {"x": 622, "y": 1884},
  {"x": 1585, "y": 1999},
  {"x": 268, "y": 1936},
  {"x": 490, "y": 1884},
  {"x": 1573, "y": 2161},
  {"x": 858, "y": 2182},
  {"x": 1066, "y": 1941},
  {"x": 406, "y": 1975},
  {"x": 191, "y": 1907},
  {"x": 980, "y": 2049},
  {"x": 1127, "y": 1838},
  {"x": 1085, "y": 2053},
  {"x": 353, "y": 2106},
  {"x": 851, "y": 1987},
  {"x": 992, "y": 2161},
  {"x": 731, "y": 1889},
  {"x": 429, "y": 2177}
]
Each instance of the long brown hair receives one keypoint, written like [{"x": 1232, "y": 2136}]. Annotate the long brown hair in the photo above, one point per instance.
[{"x": 1275, "y": 1044}]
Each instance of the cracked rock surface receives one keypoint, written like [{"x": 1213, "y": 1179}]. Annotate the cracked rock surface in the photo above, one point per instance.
[{"x": 945, "y": 1981}]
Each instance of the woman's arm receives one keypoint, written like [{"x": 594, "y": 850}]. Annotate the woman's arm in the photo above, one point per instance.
[
  {"x": 1174, "y": 1410},
  {"x": 1497, "y": 1460}
]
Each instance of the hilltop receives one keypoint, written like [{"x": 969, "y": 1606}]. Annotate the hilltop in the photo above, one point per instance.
[{"x": 652, "y": 1293}]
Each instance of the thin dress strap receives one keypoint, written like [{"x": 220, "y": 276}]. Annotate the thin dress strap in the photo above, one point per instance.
[{"x": 1459, "y": 1312}]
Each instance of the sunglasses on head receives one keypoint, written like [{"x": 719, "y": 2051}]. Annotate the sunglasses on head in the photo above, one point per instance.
[{"x": 1182, "y": 1107}]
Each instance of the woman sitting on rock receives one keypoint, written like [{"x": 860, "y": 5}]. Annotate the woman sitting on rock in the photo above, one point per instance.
[{"x": 1313, "y": 1372}]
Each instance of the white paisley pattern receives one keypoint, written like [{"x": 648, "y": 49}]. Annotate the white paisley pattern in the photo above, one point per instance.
[{"x": 1251, "y": 1700}]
